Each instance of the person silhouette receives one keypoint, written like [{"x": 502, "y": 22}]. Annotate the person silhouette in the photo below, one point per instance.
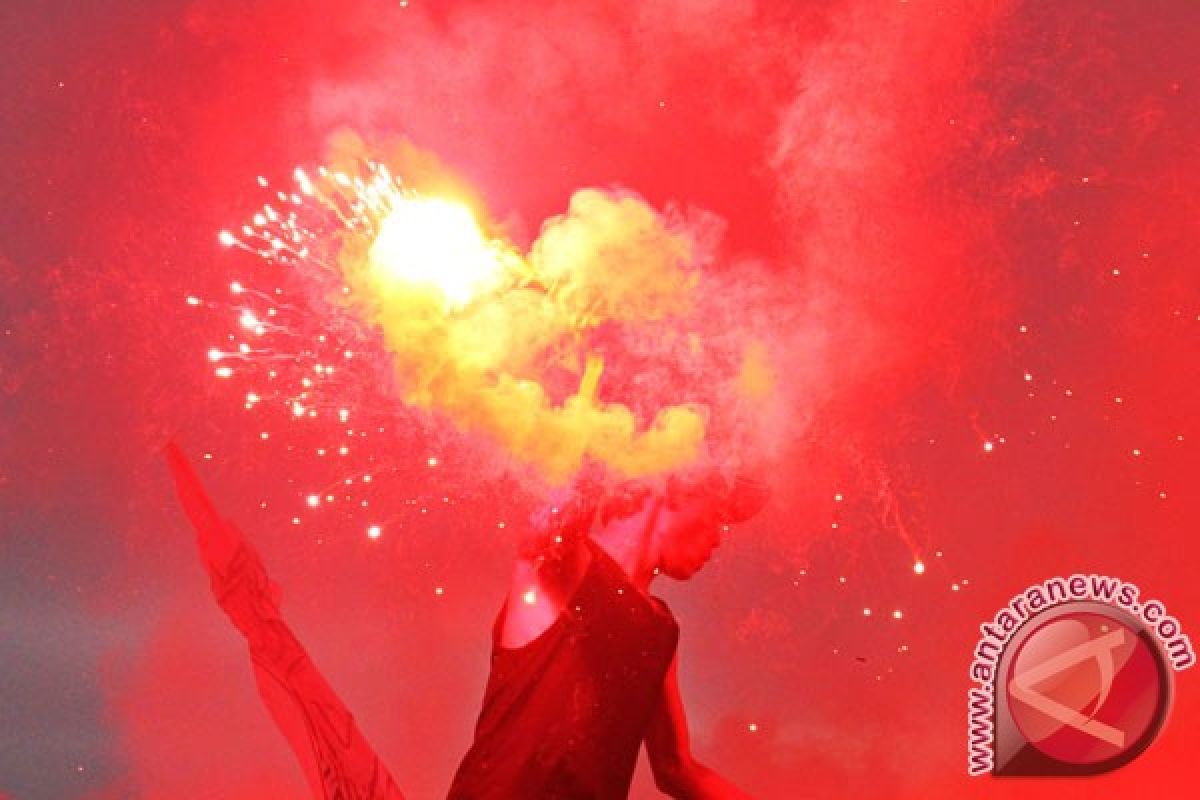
[{"x": 583, "y": 668}]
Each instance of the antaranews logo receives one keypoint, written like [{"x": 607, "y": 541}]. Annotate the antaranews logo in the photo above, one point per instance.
[{"x": 1075, "y": 678}]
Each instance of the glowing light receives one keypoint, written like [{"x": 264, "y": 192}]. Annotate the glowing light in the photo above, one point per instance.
[
  {"x": 369, "y": 237},
  {"x": 897, "y": 614},
  {"x": 919, "y": 567},
  {"x": 439, "y": 591},
  {"x": 988, "y": 446},
  {"x": 866, "y": 612},
  {"x": 530, "y": 597},
  {"x": 302, "y": 181},
  {"x": 192, "y": 300},
  {"x": 374, "y": 532},
  {"x": 752, "y": 727},
  {"x": 436, "y": 243}
]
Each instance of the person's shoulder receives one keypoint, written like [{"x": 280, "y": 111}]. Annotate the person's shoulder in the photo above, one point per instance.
[
  {"x": 555, "y": 574},
  {"x": 665, "y": 619},
  {"x": 661, "y": 606}
]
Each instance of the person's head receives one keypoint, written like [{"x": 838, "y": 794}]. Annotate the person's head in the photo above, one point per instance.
[{"x": 681, "y": 519}]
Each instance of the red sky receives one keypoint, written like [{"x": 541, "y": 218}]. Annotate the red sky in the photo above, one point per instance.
[{"x": 976, "y": 222}]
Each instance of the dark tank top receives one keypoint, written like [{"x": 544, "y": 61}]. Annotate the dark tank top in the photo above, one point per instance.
[{"x": 564, "y": 715}]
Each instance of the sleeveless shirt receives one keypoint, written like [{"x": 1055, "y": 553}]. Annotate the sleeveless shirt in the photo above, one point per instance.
[{"x": 564, "y": 715}]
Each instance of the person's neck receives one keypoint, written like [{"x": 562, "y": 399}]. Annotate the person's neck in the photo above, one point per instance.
[{"x": 628, "y": 542}]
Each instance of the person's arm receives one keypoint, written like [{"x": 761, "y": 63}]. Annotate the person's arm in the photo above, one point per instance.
[
  {"x": 336, "y": 759},
  {"x": 550, "y": 560},
  {"x": 676, "y": 772},
  {"x": 562, "y": 521}
]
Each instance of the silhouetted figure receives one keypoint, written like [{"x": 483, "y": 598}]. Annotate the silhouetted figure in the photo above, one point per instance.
[{"x": 583, "y": 667}]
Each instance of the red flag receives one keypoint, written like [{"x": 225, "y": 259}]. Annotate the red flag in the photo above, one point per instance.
[{"x": 337, "y": 760}]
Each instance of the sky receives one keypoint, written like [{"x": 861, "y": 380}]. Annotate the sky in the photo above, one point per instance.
[{"x": 966, "y": 232}]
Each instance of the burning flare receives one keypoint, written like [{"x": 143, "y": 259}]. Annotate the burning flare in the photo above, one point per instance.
[
  {"x": 495, "y": 340},
  {"x": 436, "y": 243}
]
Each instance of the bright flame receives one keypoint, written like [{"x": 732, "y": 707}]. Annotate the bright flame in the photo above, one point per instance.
[
  {"x": 486, "y": 334},
  {"x": 434, "y": 242}
]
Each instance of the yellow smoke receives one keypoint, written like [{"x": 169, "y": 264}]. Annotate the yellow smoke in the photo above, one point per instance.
[
  {"x": 610, "y": 257},
  {"x": 475, "y": 327},
  {"x": 756, "y": 379}
]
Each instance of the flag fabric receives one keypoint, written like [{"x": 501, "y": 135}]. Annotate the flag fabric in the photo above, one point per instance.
[{"x": 337, "y": 760}]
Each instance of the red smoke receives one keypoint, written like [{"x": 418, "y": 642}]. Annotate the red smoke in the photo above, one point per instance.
[{"x": 901, "y": 186}]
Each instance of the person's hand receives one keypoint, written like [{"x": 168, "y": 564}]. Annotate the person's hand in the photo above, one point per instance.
[
  {"x": 565, "y": 517},
  {"x": 566, "y": 512}
]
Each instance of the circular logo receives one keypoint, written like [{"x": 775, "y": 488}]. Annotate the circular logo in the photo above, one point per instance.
[{"x": 1087, "y": 689}]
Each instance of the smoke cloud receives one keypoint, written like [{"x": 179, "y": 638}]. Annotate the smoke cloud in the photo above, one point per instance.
[{"x": 846, "y": 231}]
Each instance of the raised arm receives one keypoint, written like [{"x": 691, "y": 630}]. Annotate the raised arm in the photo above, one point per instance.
[
  {"x": 676, "y": 772},
  {"x": 336, "y": 759},
  {"x": 562, "y": 520},
  {"x": 550, "y": 560}
]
